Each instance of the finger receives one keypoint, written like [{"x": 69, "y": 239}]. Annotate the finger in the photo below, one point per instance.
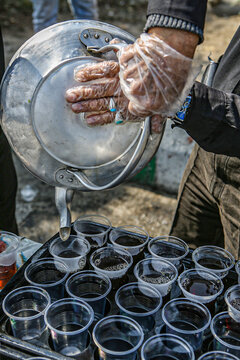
[
  {"x": 126, "y": 54},
  {"x": 137, "y": 111},
  {"x": 100, "y": 119},
  {"x": 91, "y": 105},
  {"x": 94, "y": 105},
  {"x": 97, "y": 71},
  {"x": 134, "y": 71},
  {"x": 104, "y": 88},
  {"x": 157, "y": 124}
]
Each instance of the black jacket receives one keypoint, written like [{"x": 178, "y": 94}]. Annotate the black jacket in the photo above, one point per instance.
[
  {"x": 213, "y": 119},
  {"x": 1, "y": 56}
]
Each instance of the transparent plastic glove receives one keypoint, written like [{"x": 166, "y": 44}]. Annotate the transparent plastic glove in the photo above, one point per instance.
[
  {"x": 154, "y": 77},
  {"x": 100, "y": 96}
]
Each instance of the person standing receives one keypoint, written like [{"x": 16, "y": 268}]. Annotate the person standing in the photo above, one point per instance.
[
  {"x": 45, "y": 12},
  {"x": 8, "y": 178},
  {"x": 152, "y": 75}
]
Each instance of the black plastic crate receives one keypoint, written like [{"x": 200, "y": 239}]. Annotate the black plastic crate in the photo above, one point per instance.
[{"x": 12, "y": 348}]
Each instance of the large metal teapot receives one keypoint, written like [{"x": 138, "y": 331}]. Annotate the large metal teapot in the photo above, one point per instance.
[{"x": 53, "y": 143}]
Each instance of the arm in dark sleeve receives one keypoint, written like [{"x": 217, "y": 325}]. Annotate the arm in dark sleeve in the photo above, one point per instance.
[
  {"x": 188, "y": 15},
  {"x": 213, "y": 120}
]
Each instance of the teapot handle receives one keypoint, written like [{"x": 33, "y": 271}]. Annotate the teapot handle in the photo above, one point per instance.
[{"x": 128, "y": 168}]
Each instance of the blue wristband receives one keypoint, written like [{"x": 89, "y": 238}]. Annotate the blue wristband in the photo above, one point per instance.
[{"x": 180, "y": 115}]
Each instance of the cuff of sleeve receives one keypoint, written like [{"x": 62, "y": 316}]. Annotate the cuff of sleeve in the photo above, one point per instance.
[{"x": 160, "y": 20}]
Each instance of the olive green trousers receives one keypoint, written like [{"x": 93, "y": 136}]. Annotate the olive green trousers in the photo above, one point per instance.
[{"x": 208, "y": 209}]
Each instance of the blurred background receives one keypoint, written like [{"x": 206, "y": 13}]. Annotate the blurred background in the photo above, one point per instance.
[{"x": 147, "y": 200}]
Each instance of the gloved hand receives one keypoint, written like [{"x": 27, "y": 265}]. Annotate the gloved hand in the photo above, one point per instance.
[
  {"x": 154, "y": 76},
  {"x": 154, "y": 81}
]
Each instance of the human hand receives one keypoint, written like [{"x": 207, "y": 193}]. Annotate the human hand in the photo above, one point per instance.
[
  {"x": 101, "y": 98},
  {"x": 154, "y": 76}
]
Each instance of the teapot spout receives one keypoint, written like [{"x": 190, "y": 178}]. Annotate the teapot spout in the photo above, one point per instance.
[{"x": 63, "y": 198}]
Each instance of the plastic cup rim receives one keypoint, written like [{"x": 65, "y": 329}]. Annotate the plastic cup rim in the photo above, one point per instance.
[
  {"x": 233, "y": 357},
  {"x": 185, "y": 245},
  {"x": 132, "y": 312},
  {"x": 33, "y": 289},
  {"x": 92, "y": 273},
  {"x": 47, "y": 260},
  {"x": 217, "y": 271},
  {"x": 125, "y": 252},
  {"x": 96, "y": 234},
  {"x": 196, "y": 304},
  {"x": 172, "y": 336},
  {"x": 195, "y": 297},
  {"x": 237, "y": 286},
  {"x": 74, "y": 257},
  {"x": 156, "y": 259},
  {"x": 16, "y": 245},
  {"x": 80, "y": 302},
  {"x": 235, "y": 347},
  {"x": 237, "y": 267},
  {"x": 129, "y": 246},
  {"x": 123, "y": 318}
]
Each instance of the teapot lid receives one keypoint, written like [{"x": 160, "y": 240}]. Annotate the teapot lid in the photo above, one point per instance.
[{"x": 65, "y": 135}]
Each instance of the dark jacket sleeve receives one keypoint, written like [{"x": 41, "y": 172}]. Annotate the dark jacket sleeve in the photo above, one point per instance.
[
  {"x": 1, "y": 56},
  {"x": 189, "y": 10},
  {"x": 188, "y": 15},
  {"x": 213, "y": 120}
]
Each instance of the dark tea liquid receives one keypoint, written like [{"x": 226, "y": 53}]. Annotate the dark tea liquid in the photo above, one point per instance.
[
  {"x": 117, "y": 345},
  {"x": 163, "y": 357},
  {"x": 129, "y": 240},
  {"x": 6, "y": 273},
  {"x": 236, "y": 304},
  {"x": 111, "y": 263},
  {"x": 212, "y": 263},
  {"x": 68, "y": 254},
  {"x": 203, "y": 287},
  {"x": 167, "y": 250}
]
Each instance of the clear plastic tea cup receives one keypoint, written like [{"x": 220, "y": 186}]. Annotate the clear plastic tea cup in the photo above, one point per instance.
[
  {"x": 69, "y": 320},
  {"x": 166, "y": 347},
  {"x": 117, "y": 337},
  {"x": 25, "y": 307},
  {"x": 73, "y": 252},
  {"x": 214, "y": 259},
  {"x": 48, "y": 274},
  {"x": 92, "y": 288},
  {"x": 232, "y": 299},
  {"x": 226, "y": 333},
  {"x": 93, "y": 228}
]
